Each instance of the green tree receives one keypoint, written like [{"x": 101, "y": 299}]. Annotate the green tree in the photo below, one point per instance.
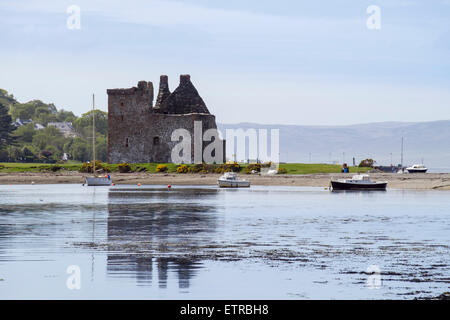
[
  {"x": 25, "y": 133},
  {"x": 22, "y": 111},
  {"x": 49, "y": 143},
  {"x": 83, "y": 125},
  {"x": 6, "y": 128},
  {"x": 35, "y": 110},
  {"x": 65, "y": 116},
  {"x": 79, "y": 150},
  {"x": 4, "y": 156},
  {"x": 44, "y": 115},
  {"x": 101, "y": 148},
  {"x": 6, "y": 99},
  {"x": 49, "y": 136},
  {"x": 14, "y": 153},
  {"x": 28, "y": 155}
]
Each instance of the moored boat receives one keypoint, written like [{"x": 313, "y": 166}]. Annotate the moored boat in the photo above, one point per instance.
[
  {"x": 417, "y": 168},
  {"x": 230, "y": 180},
  {"x": 358, "y": 182},
  {"x": 98, "y": 181}
]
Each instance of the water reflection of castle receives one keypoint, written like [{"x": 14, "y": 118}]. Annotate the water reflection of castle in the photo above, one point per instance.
[{"x": 156, "y": 230}]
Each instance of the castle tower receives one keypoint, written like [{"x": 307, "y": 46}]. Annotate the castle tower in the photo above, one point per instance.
[
  {"x": 163, "y": 93},
  {"x": 184, "y": 100},
  {"x": 132, "y": 101}
]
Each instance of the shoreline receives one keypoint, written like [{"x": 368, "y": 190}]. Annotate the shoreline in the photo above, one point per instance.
[{"x": 428, "y": 181}]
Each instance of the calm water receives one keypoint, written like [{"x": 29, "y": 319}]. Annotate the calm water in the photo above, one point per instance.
[{"x": 191, "y": 242}]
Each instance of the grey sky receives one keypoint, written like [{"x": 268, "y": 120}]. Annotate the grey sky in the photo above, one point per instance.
[{"x": 287, "y": 62}]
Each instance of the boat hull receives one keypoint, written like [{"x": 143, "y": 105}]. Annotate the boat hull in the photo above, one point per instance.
[
  {"x": 233, "y": 184},
  {"x": 417, "y": 170},
  {"x": 98, "y": 182},
  {"x": 337, "y": 185}
]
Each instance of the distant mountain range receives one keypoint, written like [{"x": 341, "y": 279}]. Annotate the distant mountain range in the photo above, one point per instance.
[{"x": 429, "y": 141}]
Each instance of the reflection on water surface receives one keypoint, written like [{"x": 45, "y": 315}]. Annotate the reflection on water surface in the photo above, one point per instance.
[{"x": 202, "y": 242}]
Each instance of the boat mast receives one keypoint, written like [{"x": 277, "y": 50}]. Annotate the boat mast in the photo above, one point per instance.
[
  {"x": 93, "y": 132},
  {"x": 402, "y": 155}
]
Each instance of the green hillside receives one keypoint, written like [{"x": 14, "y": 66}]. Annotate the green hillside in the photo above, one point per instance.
[{"x": 49, "y": 144}]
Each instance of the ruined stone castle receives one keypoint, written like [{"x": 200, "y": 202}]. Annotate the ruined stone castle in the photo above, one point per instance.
[{"x": 140, "y": 132}]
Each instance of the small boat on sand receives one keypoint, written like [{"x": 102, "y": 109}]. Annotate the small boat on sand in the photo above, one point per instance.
[
  {"x": 230, "y": 180},
  {"x": 358, "y": 182},
  {"x": 417, "y": 168}
]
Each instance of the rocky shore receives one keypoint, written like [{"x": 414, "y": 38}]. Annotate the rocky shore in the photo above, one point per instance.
[{"x": 395, "y": 181}]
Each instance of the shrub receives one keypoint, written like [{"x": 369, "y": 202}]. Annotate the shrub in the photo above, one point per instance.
[
  {"x": 196, "y": 168},
  {"x": 182, "y": 169},
  {"x": 86, "y": 167},
  {"x": 208, "y": 168},
  {"x": 124, "y": 168},
  {"x": 140, "y": 169},
  {"x": 368, "y": 163},
  {"x": 203, "y": 168},
  {"x": 231, "y": 167},
  {"x": 161, "y": 168},
  {"x": 55, "y": 168},
  {"x": 28, "y": 155},
  {"x": 46, "y": 154},
  {"x": 282, "y": 171},
  {"x": 253, "y": 167}
]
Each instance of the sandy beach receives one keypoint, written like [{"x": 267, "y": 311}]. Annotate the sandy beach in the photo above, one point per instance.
[{"x": 440, "y": 181}]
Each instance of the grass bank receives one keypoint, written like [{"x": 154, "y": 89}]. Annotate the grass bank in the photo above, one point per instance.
[
  {"x": 291, "y": 168},
  {"x": 311, "y": 168}
]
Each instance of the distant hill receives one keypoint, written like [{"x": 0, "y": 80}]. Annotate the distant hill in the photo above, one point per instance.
[{"x": 427, "y": 140}]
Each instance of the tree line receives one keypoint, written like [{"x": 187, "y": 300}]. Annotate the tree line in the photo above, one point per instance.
[{"x": 29, "y": 143}]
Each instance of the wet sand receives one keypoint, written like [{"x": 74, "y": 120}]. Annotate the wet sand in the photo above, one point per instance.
[{"x": 439, "y": 181}]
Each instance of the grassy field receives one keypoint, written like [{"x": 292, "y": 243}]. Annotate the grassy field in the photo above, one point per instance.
[
  {"x": 75, "y": 166},
  {"x": 291, "y": 168},
  {"x": 310, "y": 168},
  {"x": 34, "y": 167}
]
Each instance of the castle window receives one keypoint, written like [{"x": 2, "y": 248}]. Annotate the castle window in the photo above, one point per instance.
[
  {"x": 121, "y": 118},
  {"x": 126, "y": 142},
  {"x": 155, "y": 141}
]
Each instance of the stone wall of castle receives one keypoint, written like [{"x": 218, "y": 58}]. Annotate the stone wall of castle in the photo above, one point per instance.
[{"x": 141, "y": 133}]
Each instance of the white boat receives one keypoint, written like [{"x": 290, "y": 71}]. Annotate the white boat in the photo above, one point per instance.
[
  {"x": 96, "y": 181},
  {"x": 417, "y": 168},
  {"x": 230, "y": 180},
  {"x": 358, "y": 182}
]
